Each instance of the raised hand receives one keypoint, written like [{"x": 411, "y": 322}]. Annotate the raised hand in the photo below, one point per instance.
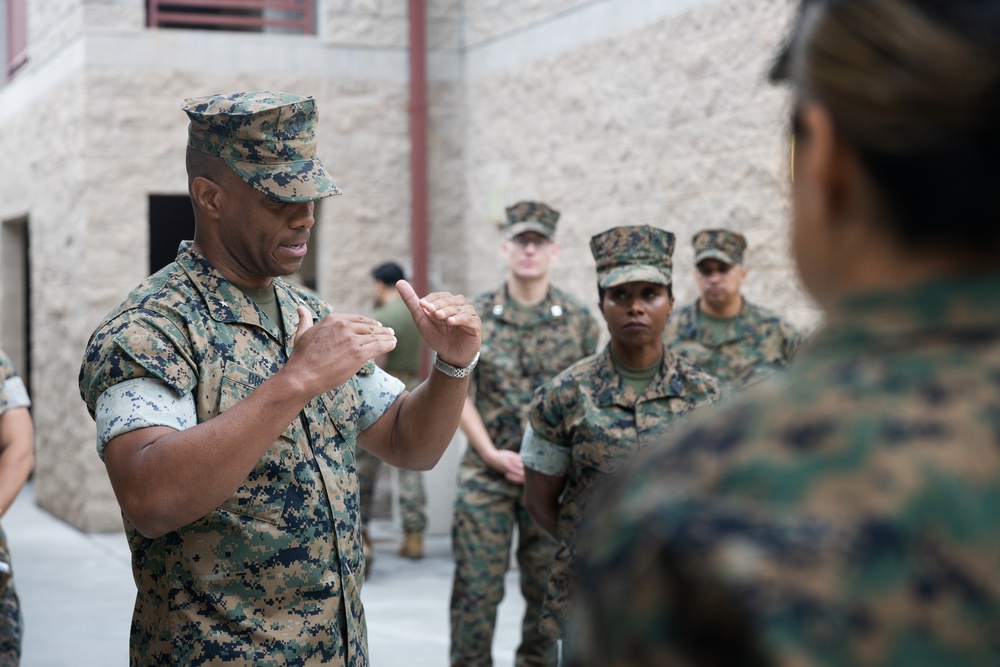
[
  {"x": 327, "y": 353},
  {"x": 447, "y": 323}
]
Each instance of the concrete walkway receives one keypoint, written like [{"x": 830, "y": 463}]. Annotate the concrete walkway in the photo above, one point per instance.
[{"x": 77, "y": 592}]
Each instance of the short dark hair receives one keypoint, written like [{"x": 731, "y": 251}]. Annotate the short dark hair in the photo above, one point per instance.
[{"x": 389, "y": 273}]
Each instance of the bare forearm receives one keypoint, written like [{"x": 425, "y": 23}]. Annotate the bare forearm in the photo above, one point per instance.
[
  {"x": 17, "y": 456},
  {"x": 474, "y": 428},
  {"x": 165, "y": 479},
  {"x": 541, "y": 499},
  {"x": 418, "y": 427}
]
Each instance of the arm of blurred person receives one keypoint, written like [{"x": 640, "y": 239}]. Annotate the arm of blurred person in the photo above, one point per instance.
[
  {"x": 504, "y": 461},
  {"x": 17, "y": 454},
  {"x": 541, "y": 498}
]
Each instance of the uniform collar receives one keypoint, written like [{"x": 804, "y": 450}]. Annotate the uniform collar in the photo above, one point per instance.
[
  {"x": 227, "y": 303},
  {"x": 610, "y": 388},
  {"x": 504, "y": 309},
  {"x": 690, "y": 323},
  {"x": 947, "y": 305}
]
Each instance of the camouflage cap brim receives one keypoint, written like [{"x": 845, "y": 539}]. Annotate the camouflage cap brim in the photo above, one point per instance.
[
  {"x": 633, "y": 273},
  {"x": 519, "y": 228},
  {"x": 292, "y": 182},
  {"x": 714, "y": 253}
]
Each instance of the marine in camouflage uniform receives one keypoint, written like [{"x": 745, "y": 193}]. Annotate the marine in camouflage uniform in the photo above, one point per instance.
[
  {"x": 272, "y": 575},
  {"x": 13, "y": 396},
  {"x": 845, "y": 512},
  {"x": 523, "y": 346},
  {"x": 738, "y": 350},
  {"x": 588, "y": 421}
]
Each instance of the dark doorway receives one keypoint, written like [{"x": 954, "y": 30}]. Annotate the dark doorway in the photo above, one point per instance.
[
  {"x": 15, "y": 332},
  {"x": 171, "y": 220}
]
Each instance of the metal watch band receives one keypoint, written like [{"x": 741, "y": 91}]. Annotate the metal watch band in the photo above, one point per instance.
[{"x": 452, "y": 371}]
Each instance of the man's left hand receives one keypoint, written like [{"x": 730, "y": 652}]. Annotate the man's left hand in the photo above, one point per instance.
[{"x": 447, "y": 323}]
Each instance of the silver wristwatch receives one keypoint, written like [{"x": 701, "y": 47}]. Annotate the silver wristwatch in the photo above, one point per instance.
[{"x": 452, "y": 371}]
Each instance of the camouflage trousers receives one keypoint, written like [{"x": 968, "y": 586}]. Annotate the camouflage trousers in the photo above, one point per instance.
[
  {"x": 412, "y": 499},
  {"x": 11, "y": 620},
  {"x": 486, "y": 510}
]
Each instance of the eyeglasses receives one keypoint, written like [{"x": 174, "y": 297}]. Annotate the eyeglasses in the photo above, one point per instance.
[{"x": 523, "y": 241}]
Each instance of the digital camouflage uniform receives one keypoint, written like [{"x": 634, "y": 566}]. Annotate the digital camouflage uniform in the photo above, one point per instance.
[
  {"x": 843, "y": 514},
  {"x": 12, "y": 395},
  {"x": 751, "y": 346},
  {"x": 273, "y": 576},
  {"x": 755, "y": 344},
  {"x": 412, "y": 498},
  {"x": 587, "y": 422},
  {"x": 522, "y": 348},
  {"x": 590, "y": 411}
]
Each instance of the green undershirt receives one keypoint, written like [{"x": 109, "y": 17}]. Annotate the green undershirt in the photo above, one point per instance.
[
  {"x": 637, "y": 378},
  {"x": 266, "y": 299}
]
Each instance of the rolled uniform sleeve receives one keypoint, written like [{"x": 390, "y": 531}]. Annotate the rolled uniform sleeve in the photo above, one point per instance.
[
  {"x": 141, "y": 403},
  {"x": 378, "y": 390},
  {"x": 544, "y": 456},
  {"x": 13, "y": 394}
]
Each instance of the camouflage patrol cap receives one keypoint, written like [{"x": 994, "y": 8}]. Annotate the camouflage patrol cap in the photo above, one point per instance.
[
  {"x": 529, "y": 216},
  {"x": 720, "y": 244},
  {"x": 269, "y": 139},
  {"x": 632, "y": 255}
]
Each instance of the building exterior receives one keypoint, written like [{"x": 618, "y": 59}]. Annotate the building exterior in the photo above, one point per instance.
[{"x": 613, "y": 111}]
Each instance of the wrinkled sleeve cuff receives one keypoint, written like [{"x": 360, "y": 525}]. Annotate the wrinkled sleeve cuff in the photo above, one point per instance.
[
  {"x": 17, "y": 394},
  {"x": 543, "y": 456},
  {"x": 378, "y": 391},
  {"x": 141, "y": 403}
]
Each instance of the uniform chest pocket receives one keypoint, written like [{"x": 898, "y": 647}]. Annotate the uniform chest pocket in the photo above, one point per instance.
[{"x": 262, "y": 495}]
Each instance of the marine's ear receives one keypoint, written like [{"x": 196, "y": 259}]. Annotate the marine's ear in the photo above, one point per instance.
[{"x": 205, "y": 195}]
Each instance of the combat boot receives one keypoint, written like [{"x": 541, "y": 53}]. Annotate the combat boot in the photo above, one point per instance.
[{"x": 413, "y": 546}]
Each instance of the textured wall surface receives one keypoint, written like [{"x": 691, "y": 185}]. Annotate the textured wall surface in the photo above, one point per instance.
[{"x": 613, "y": 111}]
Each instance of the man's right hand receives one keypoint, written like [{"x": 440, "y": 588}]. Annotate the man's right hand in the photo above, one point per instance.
[{"x": 327, "y": 353}]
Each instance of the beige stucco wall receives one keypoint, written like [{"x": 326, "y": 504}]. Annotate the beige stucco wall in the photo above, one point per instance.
[
  {"x": 613, "y": 111},
  {"x": 671, "y": 124}
]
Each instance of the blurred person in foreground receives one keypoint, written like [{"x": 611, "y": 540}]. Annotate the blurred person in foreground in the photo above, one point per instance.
[
  {"x": 403, "y": 363},
  {"x": 17, "y": 458},
  {"x": 735, "y": 340},
  {"x": 532, "y": 330},
  {"x": 590, "y": 419},
  {"x": 847, "y": 512},
  {"x": 229, "y": 405}
]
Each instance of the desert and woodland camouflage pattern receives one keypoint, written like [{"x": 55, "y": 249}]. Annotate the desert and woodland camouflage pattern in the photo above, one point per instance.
[
  {"x": 599, "y": 419},
  {"x": 529, "y": 216},
  {"x": 721, "y": 244},
  {"x": 11, "y": 619},
  {"x": 269, "y": 139},
  {"x": 753, "y": 345},
  {"x": 521, "y": 349},
  {"x": 633, "y": 254},
  {"x": 841, "y": 514},
  {"x": 402, "y": 362},
  {"x": 273, "y": 576}
]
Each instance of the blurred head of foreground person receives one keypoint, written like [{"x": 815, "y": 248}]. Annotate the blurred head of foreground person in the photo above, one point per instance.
[{"x": 845, "y": 513}]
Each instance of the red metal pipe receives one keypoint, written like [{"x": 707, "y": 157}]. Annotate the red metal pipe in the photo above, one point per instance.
[{"x": 418, "y": 154}]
